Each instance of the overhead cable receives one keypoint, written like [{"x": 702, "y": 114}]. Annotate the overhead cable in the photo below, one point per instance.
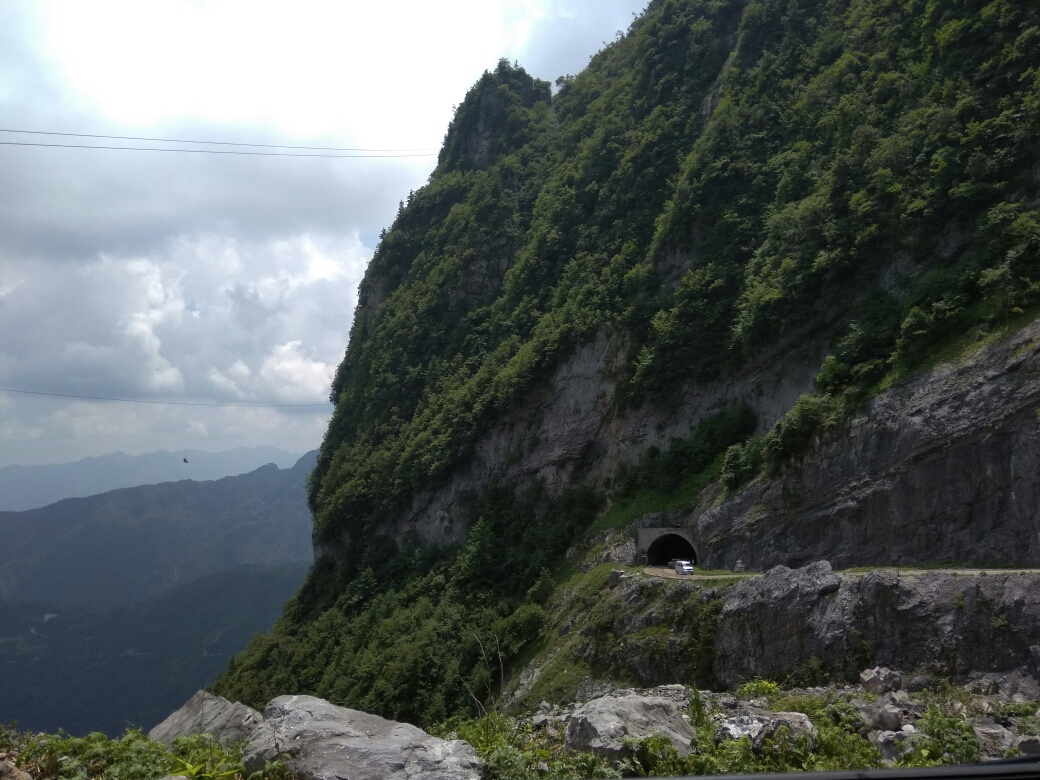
[
  {"x": 162, "y": 403},
  {"x": 214, "y": 151},
  {"x": 211, "y": 143}
]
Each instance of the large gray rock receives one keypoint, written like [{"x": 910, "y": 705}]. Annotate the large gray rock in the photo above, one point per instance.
[
  {"x": 759, "y": 725},
  {"x": 9, "y": 771},
  {"x": 882, "y": 715},
  {"x": 320, "y": 741},
  {"x": 894, "y": 745},
  {"x": 993, "y": 738},
  {"x": 948, "y": 623},
  {"x": 600, "y": 725},
  {"x": 205, "y": 713},
  {"x": 880, "y": 680},
  {"x": 943, "y": 468}
]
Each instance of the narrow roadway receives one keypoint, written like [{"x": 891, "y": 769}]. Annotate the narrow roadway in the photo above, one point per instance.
[{"x": 666, "y": 573}]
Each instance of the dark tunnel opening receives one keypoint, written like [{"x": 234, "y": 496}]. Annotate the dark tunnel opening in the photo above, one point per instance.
[{"x": 670, "y": 547}]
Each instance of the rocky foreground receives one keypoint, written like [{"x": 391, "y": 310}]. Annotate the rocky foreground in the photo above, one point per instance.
[{"x": 992, "y": 716}]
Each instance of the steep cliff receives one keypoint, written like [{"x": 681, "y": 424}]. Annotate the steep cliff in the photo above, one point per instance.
[{"x": 701, "y": 293}]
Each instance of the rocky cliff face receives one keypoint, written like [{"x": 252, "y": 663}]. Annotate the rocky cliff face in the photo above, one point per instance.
[
  {"x": 572, "y": 426},
  {"x": 801, "y": 625},
  {"x": 945, "y": 468}
]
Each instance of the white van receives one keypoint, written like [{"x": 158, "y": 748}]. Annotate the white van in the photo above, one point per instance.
[{"x": 683, "y": 567}]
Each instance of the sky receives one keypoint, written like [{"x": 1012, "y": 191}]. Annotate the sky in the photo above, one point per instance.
[{"x": 210, "y": 278}]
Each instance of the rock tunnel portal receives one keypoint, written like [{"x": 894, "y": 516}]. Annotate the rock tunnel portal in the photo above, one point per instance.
[{"x": 669, "y": 547}]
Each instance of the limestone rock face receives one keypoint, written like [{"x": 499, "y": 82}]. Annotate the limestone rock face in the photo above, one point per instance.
[
  {"x": 599, "y": 725},
  {"x": 205, "y": 713},
  {"x": 944, "y": 468},
  {"x": 952, "y": 623},
  {"x": 320, "y": 741}
]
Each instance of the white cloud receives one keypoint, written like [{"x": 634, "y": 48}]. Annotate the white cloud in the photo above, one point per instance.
[{"x": 208, "y": 278}]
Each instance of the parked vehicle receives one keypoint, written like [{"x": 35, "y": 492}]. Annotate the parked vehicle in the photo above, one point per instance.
[{"x": 683, "y": 567}]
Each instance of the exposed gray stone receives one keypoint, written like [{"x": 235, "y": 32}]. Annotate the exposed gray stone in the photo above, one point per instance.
[
  {"x": 948, "y": 623},
  {"x": 894, "y": 745},
  {"x": 882, "y": 716},
  {"x": 205, "y": 713},
  {"x": 879, "y": 680},
  {"x": 9, "y": 771},
  {"x": 599, "y": 725},
  {"x": 1028, "y": 745},
  {"x": 320, "y": 741},
  {"x": 758, "y": 725},
  {"x": 992, "y": 737},
  {"x": 944, "y": 468}
]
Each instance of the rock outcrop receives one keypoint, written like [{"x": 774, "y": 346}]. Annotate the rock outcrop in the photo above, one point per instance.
[
  {"x": 758, "y": 725},
  {"x": 205, "y": 713},
  {"x": 599, "y": 726},
  {"x": 949, "y": 623},
  {"x": 945, "y": 468},
  {"x": 320, "y": 741}
]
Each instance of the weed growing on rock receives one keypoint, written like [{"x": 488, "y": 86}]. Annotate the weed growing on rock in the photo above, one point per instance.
[
  {"x": 949, "y": 740},
  {"x": 757, "y": 687}
]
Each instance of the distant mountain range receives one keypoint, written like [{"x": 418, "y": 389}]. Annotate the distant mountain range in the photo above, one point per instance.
[
  {"x": 29, "y": 487},
  {"x": 132, "y": 544},
  {"x": 115, "y": 608}
]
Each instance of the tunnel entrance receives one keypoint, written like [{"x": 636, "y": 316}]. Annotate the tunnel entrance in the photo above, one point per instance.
[{"x": 669, "y": 547}]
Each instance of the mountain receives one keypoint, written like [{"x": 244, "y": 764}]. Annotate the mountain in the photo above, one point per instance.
[
  {"x": 758, "y": 285},
  {"x": 83, "y": 672},
  {"x": 132, "y": 544},
  {"x": 29, "y": 487}
]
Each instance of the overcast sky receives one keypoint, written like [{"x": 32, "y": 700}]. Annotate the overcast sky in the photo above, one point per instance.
[{"x": 213, "y": 278}]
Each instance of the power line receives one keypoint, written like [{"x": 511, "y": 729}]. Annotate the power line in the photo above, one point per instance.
[
  {"x": 212, "y": 151},
  {"x": 162, "y": 403},
  {"x": 212, "y": 143}
]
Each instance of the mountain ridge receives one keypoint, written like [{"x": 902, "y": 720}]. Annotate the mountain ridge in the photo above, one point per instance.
[
  {"x": 32, "y": 487},
  {"x": 132, "y": 543}
]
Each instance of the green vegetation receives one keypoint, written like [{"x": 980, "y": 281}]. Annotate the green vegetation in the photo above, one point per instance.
[
  {"x": 672, "y": 479},
  {"x": 724, "y": 180},
  {"x": 131, "y": 757},
  {"x": 587, "y": 636},
  {"x": 420, "y": 634},
  {"x": 515, "y": 751},
  {"x": 758, "y": 687}
]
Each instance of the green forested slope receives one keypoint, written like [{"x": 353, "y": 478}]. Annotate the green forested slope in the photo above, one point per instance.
[
  {"x": 82, "y": 671},
  {"x": 720, "y": 181}
]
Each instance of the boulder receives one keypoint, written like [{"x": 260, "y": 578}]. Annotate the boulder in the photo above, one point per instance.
[
  {"x": 320, "y": 741},
  {"x": 600, "y": 725},
  {"x": 9, "y": 771},
  {"x": 894, "y": 745},
  {"x": 880, "y": 680},
  {"x": 205, "y": 713},
  {"x": 992, "y": 737},
  {"x": 882, "y": 715},
  {"x": 759, "y": 725},
  {"x": 1028, "y": 745}
]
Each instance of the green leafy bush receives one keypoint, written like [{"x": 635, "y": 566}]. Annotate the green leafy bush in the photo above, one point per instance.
[
  {"x": 949, "y": 740},
  {"x": 130, "y": 757},
  {"x": 753, "y": 689}
]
